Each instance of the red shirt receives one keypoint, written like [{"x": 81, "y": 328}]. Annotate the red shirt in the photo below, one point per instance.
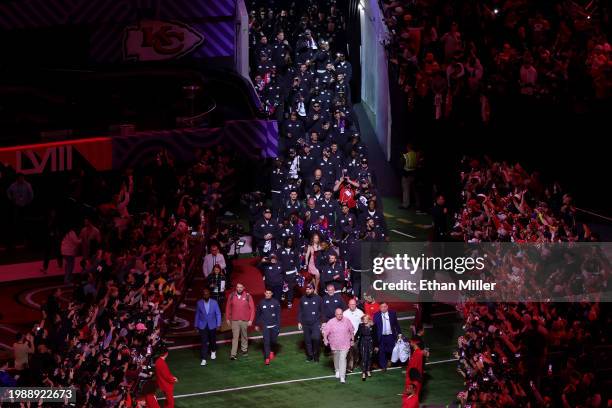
[
  {"x": 165, "y": 379},
  {"x": 410, "y": 401},
  {"x": 240, "y": 308},
  {"x": 371, "y": 309},
  {"x": 416, "y": 361}
]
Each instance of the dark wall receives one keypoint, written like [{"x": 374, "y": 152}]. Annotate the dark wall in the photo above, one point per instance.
[{"x": 353, "y": 29}]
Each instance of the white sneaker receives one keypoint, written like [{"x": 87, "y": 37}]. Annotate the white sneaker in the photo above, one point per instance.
[
  {"x": 343, "y": 381},
  {"x": 337, "y": 374},
  {"x": 203, "y": 363},
  {"x": 213, "y": 355}
]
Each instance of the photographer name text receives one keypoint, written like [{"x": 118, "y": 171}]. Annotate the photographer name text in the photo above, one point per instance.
[{"x": 434, "y": 285}]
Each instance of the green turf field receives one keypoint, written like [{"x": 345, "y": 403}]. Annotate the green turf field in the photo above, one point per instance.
[{"x": 220, "y": 382}]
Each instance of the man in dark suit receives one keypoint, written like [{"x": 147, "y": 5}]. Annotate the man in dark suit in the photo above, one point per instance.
[{"x": 387, "y": 331}]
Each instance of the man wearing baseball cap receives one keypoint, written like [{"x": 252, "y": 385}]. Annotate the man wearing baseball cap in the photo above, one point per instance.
[{"x": 265, "y": 231}]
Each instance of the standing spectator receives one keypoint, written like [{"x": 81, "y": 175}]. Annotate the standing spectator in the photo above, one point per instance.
[
  {"x": 440, "y": 219},
  {"x": 240, "y": 312},
  {"x": 366, "y": 343},
  {"x": 354, "y": 315},
  {"x": 20, "y": 194},
  {"x": 90, "y": 238},
  {"x": 387, "y": 331},
  {"x": 409, "y": 160},
  {"x": 207, "y": 321},
  {"x": 51, "y": 241},
  {"x": 338, "y": 334},
  {"x": 70, "y": 249},
  {"x": 217, "y": 283},
  {"x": 268, "y": 316},
  {"x": 212, "y": 259},
  {"x": 22, "y": 349},
  {"x": 165, "y": 379}
]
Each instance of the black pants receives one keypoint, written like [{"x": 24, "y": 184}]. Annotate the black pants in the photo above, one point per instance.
[
  {"x": 291, "y": 281},
  {"x": 277, "y": 292},
  {"x": 270, "y": 335},
  {"x": 312, "y": 339},
  {"x": 51, "y": 249},
  {"x": 352, "y": 358},
  {"x": 208, "y": 337},
  {"x": 356, "y": 283}
]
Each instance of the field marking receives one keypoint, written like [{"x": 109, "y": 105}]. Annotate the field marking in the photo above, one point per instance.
[
  {"x": 8, "y": 329},
  {"x": 403, "y": 233},
  {"x": 289, "y": 333},
  {"x": 29, "y": 295},
  {"x": 247, "y": 387},
  {"x": 404, "y": 221}
]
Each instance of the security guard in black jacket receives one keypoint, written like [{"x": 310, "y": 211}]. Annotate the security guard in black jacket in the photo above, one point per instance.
[
  {"x": 273, "y": 275},
  {"x": 277, "y": 182},
  {"x": 268, "y": 317},
  {"x": 293, "y": 205},
  {"x": 333, "y": 273},
  {"x": 290, "y": 263},
  {"x": 309, "y": 321},
  {"x": 331, "y": 302},
  {"x": 265, "y": 231}
]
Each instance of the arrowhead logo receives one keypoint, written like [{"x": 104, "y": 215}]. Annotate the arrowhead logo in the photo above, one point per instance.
[{"x": 153, "y": 40}]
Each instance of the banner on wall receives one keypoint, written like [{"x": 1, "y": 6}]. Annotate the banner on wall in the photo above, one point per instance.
[
  {"x": 253, "y": 139},
  {"x": 153, "y": 40}
]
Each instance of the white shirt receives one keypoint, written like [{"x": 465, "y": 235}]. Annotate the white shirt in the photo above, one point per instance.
[
  {"x": 354, "y": 317},
  {"x": 386, "y": 324},
  {"x": 210, "y": 261}
]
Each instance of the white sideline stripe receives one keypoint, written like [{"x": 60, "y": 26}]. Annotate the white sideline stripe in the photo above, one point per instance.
[
  {"x": 290, "y": 333},
  {"x": 247, "y": 387},
  {"x": 403, "y": 233}
]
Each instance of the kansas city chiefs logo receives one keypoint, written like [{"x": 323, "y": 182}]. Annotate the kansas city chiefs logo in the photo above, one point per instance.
[{"x": 153, "y": 40}]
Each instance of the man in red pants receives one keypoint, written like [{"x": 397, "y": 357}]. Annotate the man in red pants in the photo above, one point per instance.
[{"x": 165, "y": 379}]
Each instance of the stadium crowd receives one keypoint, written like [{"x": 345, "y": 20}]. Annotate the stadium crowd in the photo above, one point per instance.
[
  {"x": 467, "y": 61},
  {"x": 532, "y": 354},
  {"x": 137, "y": 247}
]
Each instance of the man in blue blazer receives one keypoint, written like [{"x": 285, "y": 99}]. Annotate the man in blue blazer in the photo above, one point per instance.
[
  {"x": 387, "y": 331},
  {"x": 207, "y": 321}
]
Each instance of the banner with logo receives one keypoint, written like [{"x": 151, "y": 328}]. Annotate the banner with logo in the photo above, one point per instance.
[
  {"x": 200, "y": 29},
  {"x": 253, "y": 139}
]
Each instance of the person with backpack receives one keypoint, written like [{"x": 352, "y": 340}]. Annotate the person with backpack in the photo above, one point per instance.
[{"x": 239, "y": 313}]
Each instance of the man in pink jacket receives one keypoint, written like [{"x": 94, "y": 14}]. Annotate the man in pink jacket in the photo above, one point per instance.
[
  {"x": 338, "y": 333},
  {"x": 239, "y": 312}
]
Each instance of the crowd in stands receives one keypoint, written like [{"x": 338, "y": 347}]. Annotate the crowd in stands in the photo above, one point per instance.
[
  {"x": 134, "y": 254},
  {"x": 458, "y": 60},
  {"x": 532, "y": 354}
]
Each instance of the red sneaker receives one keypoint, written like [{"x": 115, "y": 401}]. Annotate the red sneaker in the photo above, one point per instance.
[
  {"x": 267, "y": 361},
  {"x": 272, "y": 356}
]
